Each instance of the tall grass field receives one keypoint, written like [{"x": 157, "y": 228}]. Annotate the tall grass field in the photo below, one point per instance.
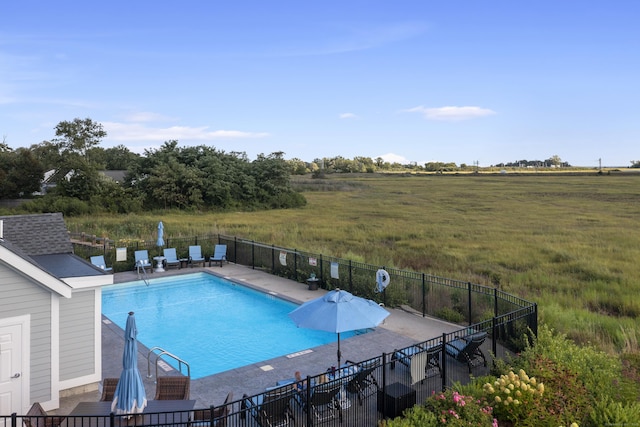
[{"x": 571, "y": 243}]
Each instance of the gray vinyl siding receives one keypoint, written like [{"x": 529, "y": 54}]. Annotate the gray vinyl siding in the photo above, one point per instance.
[
  {"x": 20, "y": 296},
  {"x": 77, "y": 335}
]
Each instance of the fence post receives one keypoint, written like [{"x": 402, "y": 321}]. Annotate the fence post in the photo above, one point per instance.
[
  {"x": 350, "y": 278},
  {"x": 443, "y": 383},
  {"x": 321, "y": 274},
  {"x": 273, "y": 260},
  {"x": 494, "y": 334},
  {"x": 495, "y": 302},
  {"x": 307, "y": 391},
  {"x": 235, "y": 249},
  {"x": 295, "y": 265},
  {"x": 253, "y": 255},
  {"x": 384, "y": 385},
  {"x": 424, "y": 295},
  {"x": 469, "y": 301}
]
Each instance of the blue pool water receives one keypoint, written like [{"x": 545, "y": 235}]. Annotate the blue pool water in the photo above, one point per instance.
[{"x": 211, "y": 323}]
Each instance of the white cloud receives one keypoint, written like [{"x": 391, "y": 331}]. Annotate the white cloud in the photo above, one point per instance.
[
  {"x": 348, "y": 116},
  {"x": 451, "y": 113},
  {"x": 138, "y": 132},
  {"x": 394, "y": 158}
]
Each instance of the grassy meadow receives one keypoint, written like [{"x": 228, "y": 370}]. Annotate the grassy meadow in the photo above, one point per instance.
[{"x": 571, "y": 243}]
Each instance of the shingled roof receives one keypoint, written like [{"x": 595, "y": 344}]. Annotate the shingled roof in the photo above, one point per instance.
[{"x": 38, "y": 234}]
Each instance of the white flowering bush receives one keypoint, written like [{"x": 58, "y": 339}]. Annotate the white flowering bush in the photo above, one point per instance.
[{"x": 513, "y": 396}]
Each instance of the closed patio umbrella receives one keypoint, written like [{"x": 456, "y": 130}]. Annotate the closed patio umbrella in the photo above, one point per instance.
[
  {"x": 130, "y": 396},
  {"x": 160, "y": 241},
  {"x": 338, "y": 311}
]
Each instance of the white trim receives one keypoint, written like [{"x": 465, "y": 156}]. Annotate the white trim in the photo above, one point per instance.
[
  {"x": 24, "y": 267},
  {"x": 86, "y": 282},
  {"x": 97, "y": 325},
  {"x": 25, "y": 323},
  {"x": 55, "y": 352}
]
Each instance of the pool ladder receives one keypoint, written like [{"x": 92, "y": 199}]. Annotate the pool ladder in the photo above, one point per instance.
[
  {"x": 161, "y": 353},
  {"x": 144, "y": 273}
]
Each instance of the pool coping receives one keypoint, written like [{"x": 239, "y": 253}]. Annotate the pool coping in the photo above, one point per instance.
[{"x": 400, "y": 329}]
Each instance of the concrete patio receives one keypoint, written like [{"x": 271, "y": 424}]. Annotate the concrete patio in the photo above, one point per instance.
[{"x": 400, "y": 329}]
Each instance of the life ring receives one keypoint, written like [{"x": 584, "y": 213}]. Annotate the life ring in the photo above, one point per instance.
[{"x": 382, "y": 280}]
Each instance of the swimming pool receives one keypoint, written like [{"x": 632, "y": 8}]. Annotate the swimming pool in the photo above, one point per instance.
[{"x": 211, "y": 323}]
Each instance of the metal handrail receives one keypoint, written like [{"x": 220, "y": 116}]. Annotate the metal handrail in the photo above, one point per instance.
[{"x": 163, "y": 352}]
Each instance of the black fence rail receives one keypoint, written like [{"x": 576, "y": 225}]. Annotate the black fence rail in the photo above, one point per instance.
[
  {"x": 494, "y": 325},
  {"x": 456, "y": 301},
  {"x": 358, "y": 393}
]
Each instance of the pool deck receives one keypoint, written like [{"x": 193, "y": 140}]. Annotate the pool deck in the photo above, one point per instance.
[{"x": 400, "y": 329}]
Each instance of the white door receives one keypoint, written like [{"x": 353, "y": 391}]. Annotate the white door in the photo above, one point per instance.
[{"x": 11, "y": 375}]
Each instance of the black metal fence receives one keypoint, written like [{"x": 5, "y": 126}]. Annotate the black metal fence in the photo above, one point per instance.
[
  {"x": 452, "y": 300},
  {"x": 358, "y": 393},
  {"x": 361, "y": 393}
]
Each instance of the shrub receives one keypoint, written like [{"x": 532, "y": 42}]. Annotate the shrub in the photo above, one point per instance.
[
  {"x": 600, "y": 373},
  {"x": 514, "y": 397},
  {"x": 610, "y": 413},
  {"x": 454, "y": 409}
]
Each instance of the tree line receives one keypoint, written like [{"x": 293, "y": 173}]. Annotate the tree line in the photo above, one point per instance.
[{"x": 170, "y": 177}]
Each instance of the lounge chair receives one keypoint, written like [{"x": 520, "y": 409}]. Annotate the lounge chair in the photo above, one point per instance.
[
  {"x": 422, "y": 360},
  {"x": 195, "y": 255},
  {"x": 170, "y": 258},
  {"x": 172, "y": 388},
  {"x": 219, "y": 255},
  {"x": 214, "y": 416},
  {"x": 364, "y": 383},
  {"x": 38, "y": 417},
  {"x": 466, "y": 349},
  {"x": 109, "y": 389},
  {"x": 98, "y": 261},
  {"x": 324, "y": 403},
  {"x": 272, "y": 408},
  {"x": 142, "y": 261}
]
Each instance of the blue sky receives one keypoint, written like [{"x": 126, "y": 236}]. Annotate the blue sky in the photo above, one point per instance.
[{"x": 406, "y": 80}]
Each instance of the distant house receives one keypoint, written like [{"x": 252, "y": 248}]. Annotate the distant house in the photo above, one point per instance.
[
  {"x": 50, "y": 177},
  {"x": 50, "y": 314}
]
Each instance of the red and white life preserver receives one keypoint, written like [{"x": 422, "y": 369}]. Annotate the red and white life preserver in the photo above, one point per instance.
[{"x": 382, "y": 280}]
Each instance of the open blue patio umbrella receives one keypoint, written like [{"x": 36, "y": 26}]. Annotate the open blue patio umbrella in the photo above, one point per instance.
[
  {"x": 338, "y": 311},
  {"x": 160, "y": 241},
  {"x": 130, "y": 396}
]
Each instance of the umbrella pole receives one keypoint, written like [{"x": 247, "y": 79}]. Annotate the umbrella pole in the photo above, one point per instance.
[{"x": 338, "y": 350}]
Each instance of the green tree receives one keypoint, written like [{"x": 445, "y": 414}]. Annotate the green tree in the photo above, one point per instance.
[
  {"x": 78, "y": 136},
  {"x": 274, "y": 182},
  {"x": 120, "y": 158},
  {"x": 21, "y": 173}
]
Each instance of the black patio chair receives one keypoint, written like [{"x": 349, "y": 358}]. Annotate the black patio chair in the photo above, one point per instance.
[
  {"x": 213, "y": 416},
  {"x": 273, "y": 408},
  {"x": 324, "y": 403},
  {"x": 466, "y": 349},
  {"x": 364, "y": 383},
  {"x": 420, "y": 353}
]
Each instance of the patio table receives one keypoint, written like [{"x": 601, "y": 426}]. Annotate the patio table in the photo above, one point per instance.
[{"x": 97, "y": 414}]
